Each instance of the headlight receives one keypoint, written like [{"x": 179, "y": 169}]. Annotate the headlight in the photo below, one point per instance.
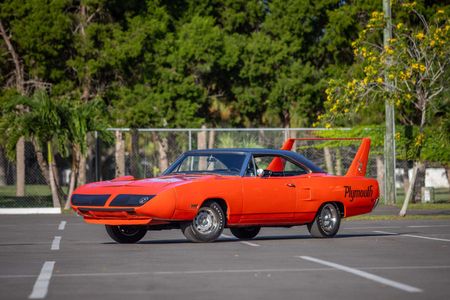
[{"x": 131, "y": 200}]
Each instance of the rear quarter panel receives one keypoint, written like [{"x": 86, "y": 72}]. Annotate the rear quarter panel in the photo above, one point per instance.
[{"x": 358, "y": 195}]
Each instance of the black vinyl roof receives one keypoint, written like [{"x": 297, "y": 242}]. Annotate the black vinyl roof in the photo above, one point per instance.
[{"x": 262, "y": 151}]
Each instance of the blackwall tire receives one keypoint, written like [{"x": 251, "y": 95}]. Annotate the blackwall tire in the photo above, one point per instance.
[
  {"x": 186, "y": 229},
  {"x": 127, "y": 234},
  {"x": 207, "y": 225},
  {"x": 326, "y": 223},
  {"x": 245, "y": 233}
]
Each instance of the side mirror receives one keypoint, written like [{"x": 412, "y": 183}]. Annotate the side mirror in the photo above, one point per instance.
[
  {"x": 263, "y": 173},
  {"x": 260, "y": 172}
]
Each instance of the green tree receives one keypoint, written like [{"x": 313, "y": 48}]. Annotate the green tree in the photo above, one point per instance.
[
  {"x": 37, "y": 118},
  {"x": 418, "y": 56},
  {"x": 54, "y": 125},
  {"x": 33, "y": 34}
]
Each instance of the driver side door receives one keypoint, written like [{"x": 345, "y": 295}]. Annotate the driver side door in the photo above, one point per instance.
[{"x": 270, "y": 199}]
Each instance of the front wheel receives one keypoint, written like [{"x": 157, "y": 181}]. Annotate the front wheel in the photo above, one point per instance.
[
  {"x": 207, "y": 225},
  {"x": 327, "y": 222},
  {"x": 127, "y": 234},
  {"x": 245, "y": 233}
]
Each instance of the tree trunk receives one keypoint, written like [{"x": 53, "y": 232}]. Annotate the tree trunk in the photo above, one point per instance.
[
  {"x": 212, "y": 135},
  {"x": 417, "y": 165},
  {"x": 338, "y": 162},
  {"x": 134, "y": 157},
  {"x": 18, "y": 67},
  {"x": 201, "y": 144},
  {"x": 56, "y": 172},
  {"x": 53, "y": 188},
  {"x": 261, "y": 138},
  {"x": 447, "y": 171},
  {"x": 409, "y": 194},
  {"x": 419, "y": 183},
  {"x": 82, "y": 170},
  {"x": 120, "y": 154},
  {"x": 43, "y": 166},
  {"x": 328, "y": 160},
  {"x": 73, "y": 176},
  {"x": 3, "y": 180},
  {"x": 407, "y": 164},
  {"x": 380, "y": 173},
  {"x": 163, "y": 147},
  {"x": 405, "y": 177},
  {"x": 20, "y": 167},
  {"x": 201, "y": 138},
  {"x": 90, "y": 158},
  {"x": 286, "y": 119}
]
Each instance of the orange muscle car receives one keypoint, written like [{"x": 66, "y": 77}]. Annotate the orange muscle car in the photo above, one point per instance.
[{"x": 204, "y": 191}]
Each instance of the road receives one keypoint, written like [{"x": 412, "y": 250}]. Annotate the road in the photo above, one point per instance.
[{"x": 60, "y": 257}]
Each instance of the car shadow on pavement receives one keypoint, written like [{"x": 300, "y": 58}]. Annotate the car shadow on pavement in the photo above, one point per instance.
[
  {"x": 261, "y": 238},
  {"x": 308, "y": 237}
]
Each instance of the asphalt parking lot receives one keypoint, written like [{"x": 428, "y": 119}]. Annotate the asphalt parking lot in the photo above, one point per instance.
[{"x": 60, "y": 257}]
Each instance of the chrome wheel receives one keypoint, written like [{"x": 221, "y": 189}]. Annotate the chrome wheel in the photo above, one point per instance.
[
  {"x": 207, "y": 225},
  {"x": 328, "y": 218},
  {"x": 205, "y": 222}
]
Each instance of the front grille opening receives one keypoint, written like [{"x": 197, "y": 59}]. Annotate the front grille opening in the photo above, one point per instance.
[
  {"x": 89, "y": 200},
  {"x": 130, "y": 200}
]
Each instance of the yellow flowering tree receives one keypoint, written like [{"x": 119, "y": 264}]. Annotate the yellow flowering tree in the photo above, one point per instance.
[{"x": 410, "y": 72}]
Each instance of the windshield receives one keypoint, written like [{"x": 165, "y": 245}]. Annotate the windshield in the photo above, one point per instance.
[{"x": 215, "y": 163}]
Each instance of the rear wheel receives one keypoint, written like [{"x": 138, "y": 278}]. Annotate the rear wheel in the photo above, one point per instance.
[
  {"x": 127, "y": 234},
  {"x": 327, "y": 222},
  {"x": 245, "y": 233},
  {"x": 207, "y": 225}
]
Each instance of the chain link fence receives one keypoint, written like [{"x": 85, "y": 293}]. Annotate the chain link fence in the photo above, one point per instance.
[
  {"x": 147, "y": 152},
  {"x": 36, "y": 192}
]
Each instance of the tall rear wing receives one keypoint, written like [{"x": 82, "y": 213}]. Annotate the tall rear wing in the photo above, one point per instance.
[{"x": 359, "y": 163}]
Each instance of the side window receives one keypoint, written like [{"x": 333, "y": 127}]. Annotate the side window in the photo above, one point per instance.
[
  {"x": 279, "y": 166},
  {"x": 291, "y": 169},
  {"x": 263, "y": 162}
]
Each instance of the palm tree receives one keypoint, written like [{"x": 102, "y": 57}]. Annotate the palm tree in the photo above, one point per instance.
[
  {"x": 82, "y": 118},
  {"x": 52, "y": 124},
  {"x": 36, "y": 118}
]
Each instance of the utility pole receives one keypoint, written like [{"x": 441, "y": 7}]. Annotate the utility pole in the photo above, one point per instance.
[{"x": 389, "y": 141}]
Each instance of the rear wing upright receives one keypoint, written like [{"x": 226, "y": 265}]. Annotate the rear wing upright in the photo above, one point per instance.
[{"x": 359, "y": 163}]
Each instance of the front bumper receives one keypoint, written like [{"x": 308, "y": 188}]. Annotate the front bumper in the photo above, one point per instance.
[{"x": 112, "y": 216}]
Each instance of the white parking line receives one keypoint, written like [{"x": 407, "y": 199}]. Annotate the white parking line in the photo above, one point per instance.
[
  {"x": 243, "y": 242},
  {"x": 199, "y": 272},
  {"x": 427, "y": 226},
  {"x": 370, "y": 227},
  {"x": 414, "y": 236},
  {"x": 393, "y": 227},
  {"x": 62, "y": 225},
  {"x": 40, "y": 287},
  {"x": 250, "y": 244},
  {"x": 55, "y": 243},
  {"x": 369, "y": 276}
]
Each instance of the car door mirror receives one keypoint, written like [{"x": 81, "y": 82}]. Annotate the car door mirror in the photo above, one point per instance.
[{"x": 263, "y": 173}]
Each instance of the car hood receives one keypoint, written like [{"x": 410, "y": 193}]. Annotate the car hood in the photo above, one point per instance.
[{"x": 149, "y": 185}]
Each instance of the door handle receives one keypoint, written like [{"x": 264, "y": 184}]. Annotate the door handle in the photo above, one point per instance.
[{"x": 290, "y": 185}]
